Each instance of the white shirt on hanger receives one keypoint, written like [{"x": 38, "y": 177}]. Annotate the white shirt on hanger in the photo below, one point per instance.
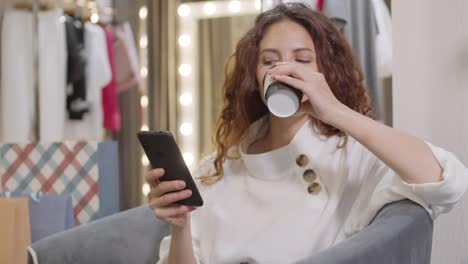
[
  {"x": 262, "y": 212},
  {"x": 52, "y": 75},
  {"x": 18, "y": 73},
  {"x": 98, "y": 75},
  {"x": 384, "y": 38}
]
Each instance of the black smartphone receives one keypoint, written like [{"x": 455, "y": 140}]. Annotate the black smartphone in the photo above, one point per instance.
[{"x": 162, "y": 152}]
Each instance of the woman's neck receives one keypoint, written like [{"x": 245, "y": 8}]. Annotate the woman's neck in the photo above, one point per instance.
[{"x": 280, "y": 134}]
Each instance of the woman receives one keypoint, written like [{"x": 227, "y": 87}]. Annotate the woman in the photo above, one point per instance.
[{"x": 278, "y": 190}]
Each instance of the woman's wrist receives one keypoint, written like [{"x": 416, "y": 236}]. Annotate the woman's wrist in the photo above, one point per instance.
[
  {"x": 181, "y": 230},
  {"x": 339, "y": 116},
  {"x": 181, "y": 248}
]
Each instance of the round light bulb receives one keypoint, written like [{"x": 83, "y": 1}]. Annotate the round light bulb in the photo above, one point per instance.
[
  {"x": 234, "y": 6},
  {"x": 184, "y": 40},
  {"x": 188, "y": 158},
  {"x": 145, "y": 189},
  {"x": 209, "y": 8},
  {"x": 144, "y": 160},
  {"x": 144, "y": 41},
  {"x": 143, "y": 13},
  {"x": 144, "y": 101},
  {"x": 185, "y": 70},
  {"x": 183, "y": 10},
  {"x": 144, "y": 128},
  {"x": 94, "y": 18},
  {"x": 144, "y": 71},
  {"x": 185, "y": 99},
  {"x": 186, "y": 129}
]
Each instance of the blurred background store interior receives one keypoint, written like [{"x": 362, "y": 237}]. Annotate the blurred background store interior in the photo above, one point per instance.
[{"x": 79, "y": 73}]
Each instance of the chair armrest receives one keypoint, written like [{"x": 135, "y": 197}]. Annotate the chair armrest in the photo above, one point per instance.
[
  {"x": 132, "y": 236},
  {"x": 400, "y": 233}
]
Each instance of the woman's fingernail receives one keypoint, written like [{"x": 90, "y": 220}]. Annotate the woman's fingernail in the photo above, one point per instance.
[{"x": 182, "y": 184}]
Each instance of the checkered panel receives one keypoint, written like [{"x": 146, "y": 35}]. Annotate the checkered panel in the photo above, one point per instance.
[{"x": 59, "y": 168}]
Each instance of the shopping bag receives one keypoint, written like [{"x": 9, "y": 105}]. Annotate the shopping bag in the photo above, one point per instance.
[
  {"x": 15, "y": 230},
  {"x": 48, "y": 213}
]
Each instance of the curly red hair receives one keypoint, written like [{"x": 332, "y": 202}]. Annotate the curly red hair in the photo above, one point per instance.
[{"x": 242, "y": 103}]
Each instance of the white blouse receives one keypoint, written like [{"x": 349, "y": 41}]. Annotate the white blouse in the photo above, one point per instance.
[{"x": 290, "y": 203}]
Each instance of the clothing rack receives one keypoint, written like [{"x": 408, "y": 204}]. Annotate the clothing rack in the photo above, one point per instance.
[{"x": 35, "y": 7}]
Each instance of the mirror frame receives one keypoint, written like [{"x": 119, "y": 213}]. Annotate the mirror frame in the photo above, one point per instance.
[{"x": 188, "y": 73}]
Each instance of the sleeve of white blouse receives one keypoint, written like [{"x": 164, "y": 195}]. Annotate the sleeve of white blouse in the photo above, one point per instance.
[
  {"x": 205, "y": 168},
  {"x": 382, "y": 185},
  {"x": 442, "y": 196}
]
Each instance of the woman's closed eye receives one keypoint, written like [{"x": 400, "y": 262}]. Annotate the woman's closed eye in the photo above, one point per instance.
[
  {"x": 269, "y": 62},
  {"x": 305, "y": 61}
]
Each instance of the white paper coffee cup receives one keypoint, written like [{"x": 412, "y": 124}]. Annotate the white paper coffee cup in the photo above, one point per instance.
[{"x": 282, "y": 99}]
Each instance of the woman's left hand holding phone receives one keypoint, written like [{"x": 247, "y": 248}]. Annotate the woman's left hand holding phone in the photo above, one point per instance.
[{"x": 163, "y": 197}]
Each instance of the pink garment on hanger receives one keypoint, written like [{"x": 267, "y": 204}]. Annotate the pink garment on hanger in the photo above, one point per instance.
[
  {"x": 319, "y": 5},
  {"x": 126, "y": 58},
  {"x": 110, "y": 102}
]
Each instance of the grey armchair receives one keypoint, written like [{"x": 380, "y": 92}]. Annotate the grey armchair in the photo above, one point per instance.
[{"x": 401, "y": 233}]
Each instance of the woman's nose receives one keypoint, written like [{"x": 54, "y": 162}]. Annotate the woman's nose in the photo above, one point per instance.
[{"x": 283, "y": 62}]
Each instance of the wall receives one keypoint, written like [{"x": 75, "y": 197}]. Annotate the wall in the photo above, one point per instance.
[{"x": 430, "y": 96}]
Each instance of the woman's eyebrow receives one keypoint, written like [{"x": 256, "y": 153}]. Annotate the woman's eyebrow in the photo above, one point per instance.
[
  {"x": 303, "y": 49},
  {"x": 271, "y": 50},
  {"x": 295, "y": 50}
]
